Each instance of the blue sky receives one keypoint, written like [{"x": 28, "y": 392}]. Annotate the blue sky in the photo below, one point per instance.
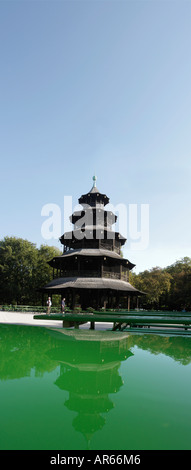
[{"x": 97, "y": 86}]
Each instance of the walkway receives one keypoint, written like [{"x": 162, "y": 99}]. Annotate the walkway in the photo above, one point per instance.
[{"x": 20, "y": 318}]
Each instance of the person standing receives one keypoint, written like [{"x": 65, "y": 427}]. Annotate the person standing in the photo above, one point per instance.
[
  {"x": 63, "y": 305},
  {"x": 49, "y": 303}
]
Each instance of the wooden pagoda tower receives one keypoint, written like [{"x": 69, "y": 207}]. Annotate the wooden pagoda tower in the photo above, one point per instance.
[{"x": 91, "y": 272}]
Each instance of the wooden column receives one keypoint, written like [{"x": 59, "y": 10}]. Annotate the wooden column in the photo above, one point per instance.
[
  {"x": 117, "y": 299},
  {"x": 102, "y": 267},
  {"x": 73, "y": 299},
  {"x": 129, "y": 299}
]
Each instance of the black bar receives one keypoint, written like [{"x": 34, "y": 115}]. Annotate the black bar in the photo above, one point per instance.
[{"x": 84, "y": 459}]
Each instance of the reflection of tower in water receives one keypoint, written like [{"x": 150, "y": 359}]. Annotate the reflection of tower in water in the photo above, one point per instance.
[{"x": 89, "y": 371}]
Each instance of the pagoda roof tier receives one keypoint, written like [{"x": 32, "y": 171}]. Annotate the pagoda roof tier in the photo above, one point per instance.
[
  {"x": 93, "y": 198},
  {"x": 59, "y": 284},
  {"x": 98, "y": 212},
  {"x": 94, "y": 232},
  {"x": 96, "y": 252}
]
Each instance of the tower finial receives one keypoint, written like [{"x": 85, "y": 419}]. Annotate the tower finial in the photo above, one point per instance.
[{"x": 94, "y": 180}]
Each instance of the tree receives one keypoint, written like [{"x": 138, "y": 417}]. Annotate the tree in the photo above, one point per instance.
[
  {"x": 154, "y": 283},
  {"x": 179, "y": 297},
  {"x": 168, "y": 288},
  {"x": 23, "y": 269},
  {"x": 43, "y": 272}
]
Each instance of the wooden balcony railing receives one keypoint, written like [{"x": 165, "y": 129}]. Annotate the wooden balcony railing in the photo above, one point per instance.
[{"x": 87, "y": 273}]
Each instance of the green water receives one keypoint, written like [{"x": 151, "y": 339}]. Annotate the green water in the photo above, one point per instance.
[{"x": 76, "y": 389}]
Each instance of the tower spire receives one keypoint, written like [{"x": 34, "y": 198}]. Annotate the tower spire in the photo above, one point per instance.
[{"x": 94, "y": 180}]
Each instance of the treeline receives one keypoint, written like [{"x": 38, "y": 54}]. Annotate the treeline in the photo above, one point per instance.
[
  {"x": 24, "y": 269},
  {"x": 166, "y": 289}
]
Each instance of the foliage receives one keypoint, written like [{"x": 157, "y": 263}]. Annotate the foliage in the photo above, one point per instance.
[
  {"x": 154, "y": 283},
  {"x": 168, "y": 288},
  {"x": 180, "y": 292},
  {"x": 23, "y": 269},
  {"x": 77, "y": 309}
]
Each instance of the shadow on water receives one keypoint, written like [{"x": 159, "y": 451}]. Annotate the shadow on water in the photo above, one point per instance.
[{"x": 88, "y": 363}]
